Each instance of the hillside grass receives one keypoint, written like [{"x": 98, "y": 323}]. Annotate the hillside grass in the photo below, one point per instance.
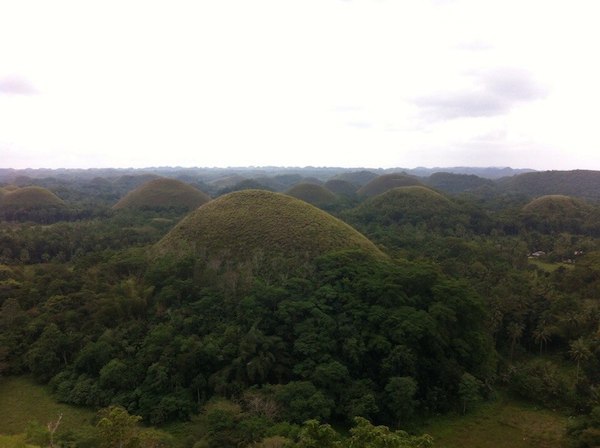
[
  {"x": 553, "y": 204},
  {"x": 313, "y": 194},
  {"x": 549, "y": 267},
  {"x": 244, "y": 225},
  {"x": 504, "y": 423},
  {"x": 386, "y": 182},
  {"x": 163, "y": 193},
  {"x": 22, "y": 400},
  {"x": 31, "y": 197},
  {"x": 341, "y": 187},
  {"x": 14, "y": 441}
]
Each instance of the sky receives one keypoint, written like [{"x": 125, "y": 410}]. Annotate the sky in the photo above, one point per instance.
[{"x": 351, "y": 83}]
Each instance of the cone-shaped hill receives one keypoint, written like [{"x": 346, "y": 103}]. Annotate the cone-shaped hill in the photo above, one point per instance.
[
  {"x": 386, "y": 182},
  {"x": 554, "y": 204},
  {"x": 276, "y": 229},
  {"x": 556, "y": 213},
  {"x": 357, "y": 177},
  {"x": 313, "y": 194},
  {"x": 458, "y": 183},
  {"x": 32, "y": 204},
  {"x": 341, "y": 187},
  {"x": 163, "y": 193},
  {"x": 247, "y": 184},
  {"x": 412, "y": 204},
  {"x": 30, "y": 198}
]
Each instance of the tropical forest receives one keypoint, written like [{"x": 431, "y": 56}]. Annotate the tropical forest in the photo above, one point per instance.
[{"x": 299, "y": 308}]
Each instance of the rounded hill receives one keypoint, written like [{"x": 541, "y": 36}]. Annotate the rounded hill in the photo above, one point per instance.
[
  {"x": 357, "y": 177},
  {"x": 313, "y": 194},
  {"x": 556, "y": 212},
  {"x": 271, "y": 229},
  {"x": 341, "y": 187},
  {"x": 412, "y": 204},
  {"x": 163, "y": 193},
  {"x": 246, "y": 184},
  {"x": 457, "y": 183},
  {"x": 31, "y": 198},
  {"x": 386, "y": 182},
  {"x": 554, "y": 204}
]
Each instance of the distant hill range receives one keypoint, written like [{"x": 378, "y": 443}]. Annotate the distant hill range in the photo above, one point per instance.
[
  {"x": 579, "y": 183},
  {"x": 230, "y": 176},
  {"x": 480, "y": 182},
  {"x": 485, "y": 172}
]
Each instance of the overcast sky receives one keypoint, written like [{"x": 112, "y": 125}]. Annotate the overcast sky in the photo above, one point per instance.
[{"x": 376, "y": 83}]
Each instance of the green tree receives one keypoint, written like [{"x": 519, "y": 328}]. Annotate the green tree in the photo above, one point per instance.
[
  {"x": 365, "y": 435},
  {"x": 301, "y": 401},
  {"x": 45, "y": 356},
  {"x": 579, "y": 351},
  {"x": 542, "y": 335},
  {"x": 400, "y": 397},
  {"x": 469, "y": 390},
  {"x": 515, "y": 331},
  {"x": 117, "y": 427},
  {"x": 315, "y": 435}
]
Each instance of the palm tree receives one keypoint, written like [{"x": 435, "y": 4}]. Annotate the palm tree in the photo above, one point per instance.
[
  {"x": 542, "y": 334},
  {"x": 515, "y": 331},
  {"x": 579, "y": 351}
]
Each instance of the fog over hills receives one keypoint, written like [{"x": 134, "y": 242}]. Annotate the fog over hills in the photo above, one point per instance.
[{"x": 214, "y": 173}]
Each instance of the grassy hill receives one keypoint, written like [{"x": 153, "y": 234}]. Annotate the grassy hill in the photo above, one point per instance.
[
  {"x": 227, "y": 181},
  {"x": 386, "y": 182},
  {"x": 313, "y": 194},
  {"x": 558, "y": 213},
  {"x": 30, "y": 198},
  {"x": 251, "y": 224},
  {"x": 247, "y": 184},
  {"x": 163, "y": 193},
  {"x": 457, "y": 183},
  {"x": 341, "y": 187},
  {"x": 402, "y": 205},
  {"x": 357, "y": 177},
  {"x": 553, "y": 204}
]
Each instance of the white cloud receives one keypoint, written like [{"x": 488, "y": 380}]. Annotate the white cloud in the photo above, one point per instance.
[{"x": 283, "y": 82}]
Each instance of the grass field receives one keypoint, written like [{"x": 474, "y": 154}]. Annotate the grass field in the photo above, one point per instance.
[
  {"x": 550, "y": 267},
  {"x": 15, "y": 441},
  {"x": 500, "y": 424},
  {"x": 22, "y": 400},
  {"x": 504, "y": 423}
]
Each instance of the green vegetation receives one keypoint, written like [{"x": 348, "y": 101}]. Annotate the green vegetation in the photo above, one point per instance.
[
  {"x": 31, "y": 203},
  {"x": 14, "y": 441},
  {"x": 256, "y": 225},
  {"x": 163, "y": 193},
  {"x": 413, "y": 204},
  {"x": 458, "y": 183},
  {"x": 579, "y": 183},
  {"x": 259, "y": 320},
  {"x": 341, "y": 187},
  {"x": 31, "y": 197},
  {"x": 500, "y": 424},
  {"x": 359, "y": 178},
  {"x": 550, "y": 267},
  {"x": 23, "y": 400},
  {"x": 313, "y": 194},
  {"x": 386, "y": 182}
]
